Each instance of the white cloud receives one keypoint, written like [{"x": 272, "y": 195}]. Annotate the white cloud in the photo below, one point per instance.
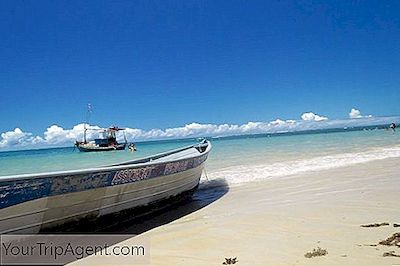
[
  {"x": 58, "y": 136},
  {"x": 18, "y": 138},
  {"x": 355, "y": 113},
  {"x": 313, "y": 117}
]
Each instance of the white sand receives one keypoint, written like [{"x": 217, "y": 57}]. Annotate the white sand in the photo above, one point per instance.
[{"x": 276, "y": 221}]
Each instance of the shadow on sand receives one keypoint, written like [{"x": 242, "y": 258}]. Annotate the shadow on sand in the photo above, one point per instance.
[
  {"x": 141, "y": 219},
  {"x": 130, "y": 223},
  {"x": 171, "y": 210}
]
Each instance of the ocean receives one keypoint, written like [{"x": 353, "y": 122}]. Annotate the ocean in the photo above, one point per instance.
[{"x": 237, "y": 159}]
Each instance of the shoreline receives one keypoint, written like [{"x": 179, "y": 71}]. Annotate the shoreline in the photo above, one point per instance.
[{"x": 278, "y": 220}]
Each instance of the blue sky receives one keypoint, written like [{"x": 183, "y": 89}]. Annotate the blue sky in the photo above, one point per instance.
[{"x": 159, "y": 64}]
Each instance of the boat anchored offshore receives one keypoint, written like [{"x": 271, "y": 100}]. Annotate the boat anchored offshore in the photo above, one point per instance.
[
  {"x": 31, "y": 203},
  {"x": 107, "y": 143}
]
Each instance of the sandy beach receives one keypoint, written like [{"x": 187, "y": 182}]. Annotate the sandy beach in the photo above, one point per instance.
[{"x": 278, "y": 220}]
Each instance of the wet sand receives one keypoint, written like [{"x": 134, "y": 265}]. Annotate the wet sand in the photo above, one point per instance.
[{"x": 277, "y": 221}]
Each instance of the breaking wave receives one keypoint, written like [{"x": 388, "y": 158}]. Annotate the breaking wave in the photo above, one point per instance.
[{"x": 248, "y": 173}]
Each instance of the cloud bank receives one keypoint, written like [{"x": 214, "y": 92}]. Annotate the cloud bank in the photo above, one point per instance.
[
  {"x": 56, "y": 135},
  {"x": 18, "y": 138}
]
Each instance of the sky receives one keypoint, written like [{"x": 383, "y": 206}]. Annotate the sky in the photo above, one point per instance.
[{"x": 167, "y": 64}]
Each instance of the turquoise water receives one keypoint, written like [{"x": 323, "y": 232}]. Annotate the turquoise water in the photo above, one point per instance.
[
  {"x": 291, "y": 147},
  {"x": 238, "y": 159},
  {"x": 57, "y": 159}
]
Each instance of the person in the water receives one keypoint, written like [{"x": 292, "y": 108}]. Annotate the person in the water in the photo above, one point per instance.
[{"x": 393, "y": 126}]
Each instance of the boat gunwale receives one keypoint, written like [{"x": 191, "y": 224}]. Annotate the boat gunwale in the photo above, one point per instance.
[{"x": 120, "y": 166}]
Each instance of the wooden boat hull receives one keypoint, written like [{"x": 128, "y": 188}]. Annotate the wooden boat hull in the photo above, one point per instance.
[{"x": 30, "y": 204}]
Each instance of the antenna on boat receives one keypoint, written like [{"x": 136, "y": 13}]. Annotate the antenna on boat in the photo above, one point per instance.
[{"x": 88, "y": 112}]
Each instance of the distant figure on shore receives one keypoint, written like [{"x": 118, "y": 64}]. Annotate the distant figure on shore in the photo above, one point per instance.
[{"x": 393, "y": 126}]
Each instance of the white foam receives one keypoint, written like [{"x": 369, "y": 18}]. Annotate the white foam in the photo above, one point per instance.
[{"x": 248, "y": 173}]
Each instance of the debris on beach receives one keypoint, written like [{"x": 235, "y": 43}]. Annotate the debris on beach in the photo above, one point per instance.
[
  {"x": 391, "y": 254},
  {"x": 229, "y": 261},
  {"x": 396, "y": 225},
  {"x": 375, "y": 225},
  {"x": 316, "y": 253},
  {"x": 394, "y": 240}
]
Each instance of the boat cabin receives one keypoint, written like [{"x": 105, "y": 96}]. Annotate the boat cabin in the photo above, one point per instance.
[{"x": 109, "y": 137}]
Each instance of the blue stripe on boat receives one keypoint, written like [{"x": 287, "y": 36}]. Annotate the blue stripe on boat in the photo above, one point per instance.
[{"x": 19, "y": 191}]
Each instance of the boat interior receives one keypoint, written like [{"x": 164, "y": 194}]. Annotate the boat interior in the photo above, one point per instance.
[{"x": 172, "y": 155}]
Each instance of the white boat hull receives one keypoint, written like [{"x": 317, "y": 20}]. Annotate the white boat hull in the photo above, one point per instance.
[{"x": 128, "y": 187}]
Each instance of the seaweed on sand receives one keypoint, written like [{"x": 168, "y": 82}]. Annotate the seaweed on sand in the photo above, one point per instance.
[
  {"x": 374, "y": 225},
  {"x": 393, "y": 240},
  {"x": 316, "y": 253},
  {"x": 391, "y": 254},
  {"x": 229, "y": 261}
]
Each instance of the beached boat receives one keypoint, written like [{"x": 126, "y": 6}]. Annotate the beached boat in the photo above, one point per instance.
[
  {"x": 107, "y": 143},
  {"x": 31, "y": 203}
]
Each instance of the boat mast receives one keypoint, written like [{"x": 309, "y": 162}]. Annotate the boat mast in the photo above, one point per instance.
[
  {"x": 126, "y": 141},
  {"x": 88, "y": 112}
]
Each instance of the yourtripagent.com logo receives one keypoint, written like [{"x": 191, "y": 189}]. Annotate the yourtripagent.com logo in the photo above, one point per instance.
[{"x": 62, "y": 249}]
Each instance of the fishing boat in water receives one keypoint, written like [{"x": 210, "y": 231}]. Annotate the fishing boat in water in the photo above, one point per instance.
[
  {"x": 107, "y": 143},
  {"x": 32, "y": 203}
]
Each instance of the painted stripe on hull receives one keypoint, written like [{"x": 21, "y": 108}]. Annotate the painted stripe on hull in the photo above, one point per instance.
[
  {"x": 83, "y": 201},
  {"x": 24, "y": 190}
]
